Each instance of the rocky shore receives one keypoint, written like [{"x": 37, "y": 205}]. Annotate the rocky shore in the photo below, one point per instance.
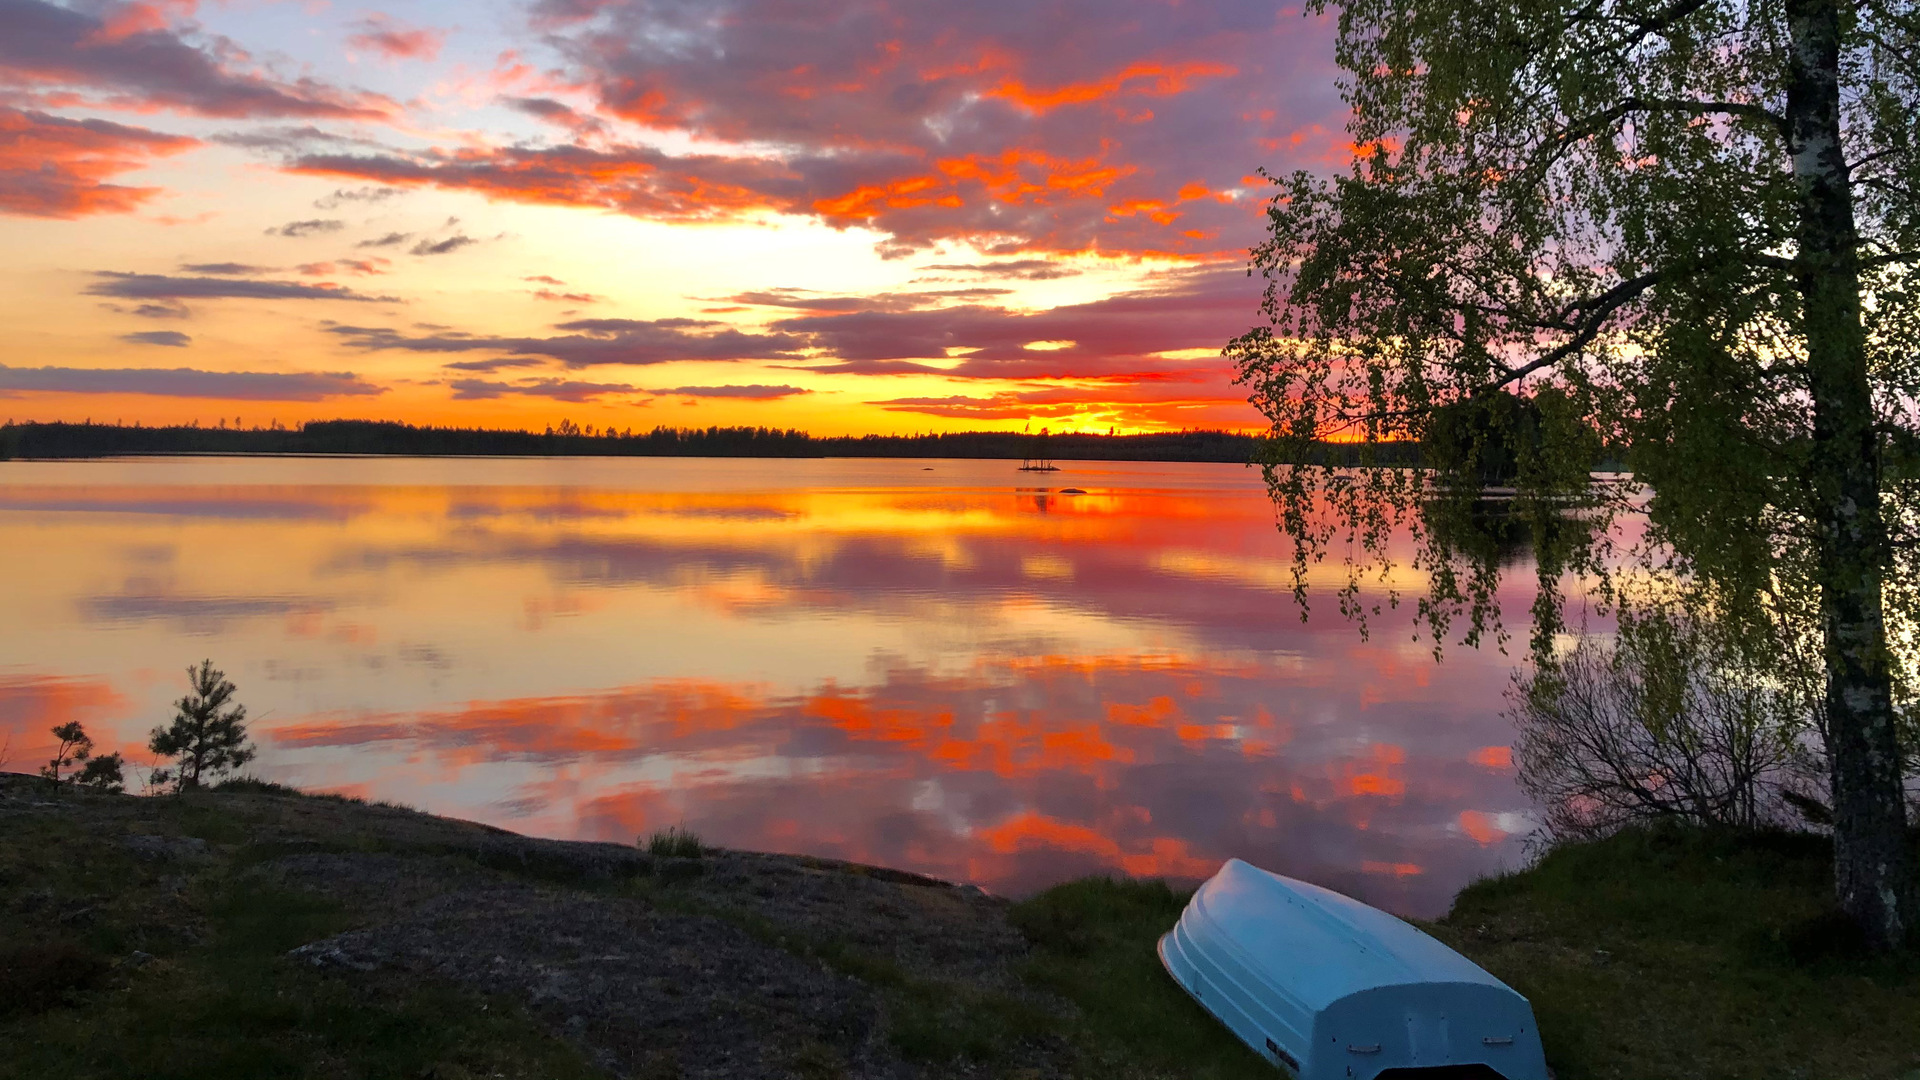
[
  {"x": 251, "y": 932},
  {"x": 725, "y": 964}
]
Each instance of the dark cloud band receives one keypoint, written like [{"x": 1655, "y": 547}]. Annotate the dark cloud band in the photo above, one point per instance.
[
  {"x": 596, "y": 341},
  {"x": 128, "y": 286},
  {"x": 44, "y": 45},
  {"x": 173, "y": 338},
  {"x": 187, "y": 383},
  {"x": 752, "y": 392}
]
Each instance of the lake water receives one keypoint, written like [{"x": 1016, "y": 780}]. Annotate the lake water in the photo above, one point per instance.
[{"x": 945, "y": 666}]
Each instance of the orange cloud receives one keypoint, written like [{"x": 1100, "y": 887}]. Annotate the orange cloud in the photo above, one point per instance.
[
  {"x": 1004, "y": 177},
  {"x": 1155, "y": 713},
  {"x": 857, "y": 717},
  {"x": 54, "y": 167},
  {"x": 1492, "y": 757},
  {"x": 867, "y": 200},
  {"x": 1165, "y": 856},
  {"x": 1372, "y": 776},
  {"x": 32, "y": 705},
  {"x": 1159, "y": 212},
  {"x": 1480, "y": 827},
  {"x": 36, "y": 701},
  {"x": 1396, "y": 869},
  {"x": 636, "y": 180},
  {"x": 1015, "y": 176},
  {"x": 1146, "y": 78}
]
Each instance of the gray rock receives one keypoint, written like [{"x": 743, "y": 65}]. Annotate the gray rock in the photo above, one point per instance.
[
  {"x": 166, "y": 848},
  {"x": 330, "y": 954},
  {"x": 629, "y": 982}
]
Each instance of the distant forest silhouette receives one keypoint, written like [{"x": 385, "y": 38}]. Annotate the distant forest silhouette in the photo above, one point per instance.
[{"x": 64, "y": 440}]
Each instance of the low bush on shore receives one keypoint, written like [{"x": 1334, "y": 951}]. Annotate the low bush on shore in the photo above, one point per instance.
[{"x": 674, "y": 842}]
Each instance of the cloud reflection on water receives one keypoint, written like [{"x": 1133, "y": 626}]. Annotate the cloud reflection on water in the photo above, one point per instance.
[{"x": 945, "y": 673}]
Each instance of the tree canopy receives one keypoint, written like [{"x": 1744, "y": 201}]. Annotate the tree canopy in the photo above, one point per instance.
[{"x": 1685, "y": 229}]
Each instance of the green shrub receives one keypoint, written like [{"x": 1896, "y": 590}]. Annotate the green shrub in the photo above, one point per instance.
[
  {"x": 253, "y": 785},
  {"x": 675, "y": 842}
]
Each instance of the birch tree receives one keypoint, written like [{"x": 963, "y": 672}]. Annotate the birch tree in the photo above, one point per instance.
[{"x": 1689, "y": 226}]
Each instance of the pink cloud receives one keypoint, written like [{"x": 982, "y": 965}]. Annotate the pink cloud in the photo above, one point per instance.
[
  {"x": 51, "y": 166},
  {"x": 1115, "y": 336},
  {"x": 395, "y": 40},
  {"x": 1057, "y": 126}
]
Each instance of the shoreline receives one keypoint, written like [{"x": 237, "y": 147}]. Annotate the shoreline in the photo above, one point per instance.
[
  {"x": 216, "y": 933},
  {"x": 69, "y": 441}
]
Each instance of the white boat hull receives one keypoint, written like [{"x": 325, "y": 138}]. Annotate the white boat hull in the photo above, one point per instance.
[{"x": 1328, "y": 988}]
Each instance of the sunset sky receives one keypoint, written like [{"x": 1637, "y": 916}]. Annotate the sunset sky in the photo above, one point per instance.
[{"x": 848, "y": 217}]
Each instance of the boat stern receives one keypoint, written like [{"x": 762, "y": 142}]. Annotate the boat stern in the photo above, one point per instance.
[{"x": 1431, "y": 1026}]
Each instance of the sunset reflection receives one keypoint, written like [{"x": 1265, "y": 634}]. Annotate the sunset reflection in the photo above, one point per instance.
[{"x": 930, "y": 665}]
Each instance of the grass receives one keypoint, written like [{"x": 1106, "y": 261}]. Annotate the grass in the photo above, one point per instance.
[
  {"x": 37, "y": 976},
  {"x": 1682, "y": 953},
  {"x": 1093, "y": 943},
  {"x": 928, "y": 1019},
  {"x": 238, "y": 1008},
  {"x": 111, "y": 968},
  {"x": 257, "y": 786},
  {"x": 1646, "y": 956},
  {"x": 253, "y": 785},
  {"x": 675, "y": 842},
  {"x": 1650, "y": 955}
]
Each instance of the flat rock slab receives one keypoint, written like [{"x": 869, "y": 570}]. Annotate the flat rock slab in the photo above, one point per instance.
[
  {"x": 646, "y": 992},
  {"x": 383, "y": 886},
  {"x": 929, "y": 927},
  {"x": 166, "y": 848}
]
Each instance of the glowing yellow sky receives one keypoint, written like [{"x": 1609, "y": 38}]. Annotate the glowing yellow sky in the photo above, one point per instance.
[{"x": 880, "y": 201}]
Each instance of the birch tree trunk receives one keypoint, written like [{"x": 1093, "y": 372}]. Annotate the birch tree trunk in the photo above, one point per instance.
[{"x": 1871, "y": 869}]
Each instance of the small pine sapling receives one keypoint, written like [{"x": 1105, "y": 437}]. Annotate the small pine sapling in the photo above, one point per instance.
[
  {"x": 104, "y": 773},
  {"x": 75, "y": 747},
  {"x": 206, "y": 737}
]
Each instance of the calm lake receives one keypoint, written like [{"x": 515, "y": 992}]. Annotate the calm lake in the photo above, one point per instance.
[{"x": 944, "y": 666}]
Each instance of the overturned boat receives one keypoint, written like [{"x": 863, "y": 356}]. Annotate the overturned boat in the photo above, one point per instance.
[{"x": 1328, "y": 988}]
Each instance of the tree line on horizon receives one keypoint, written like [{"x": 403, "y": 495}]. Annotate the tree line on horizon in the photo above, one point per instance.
[{"x": 80, "y": 440}]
